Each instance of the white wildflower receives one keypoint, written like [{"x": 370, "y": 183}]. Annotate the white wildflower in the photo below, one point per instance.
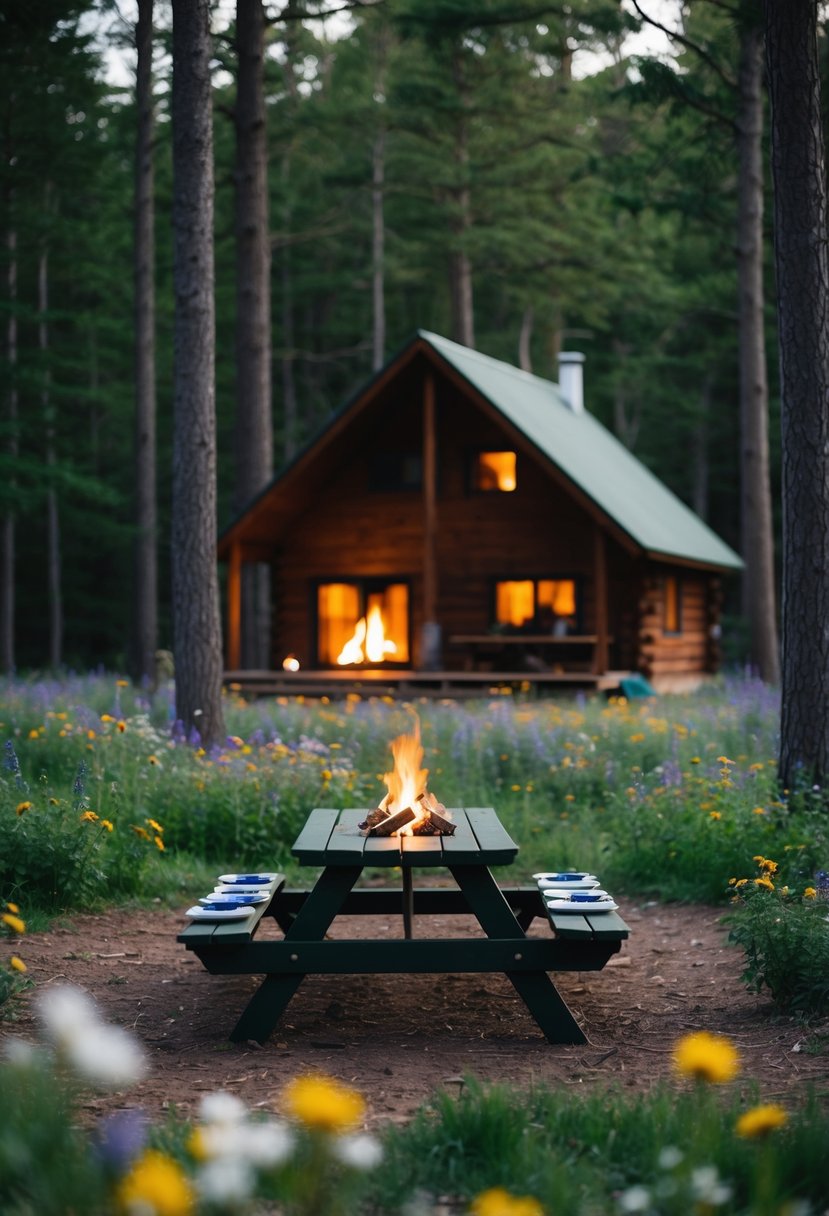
[
  {"x": 267, "y": 1145},
  {"x": 19, "y": 1053},
  {"x": 99, "y": 1053},
  {"x": 361, "y": 1152},
  {"x": 223, "y": 1108},
  {"x": 670, "y": 1157},
  {"x": 706, "y": 1186},
  {"x": 635, "y": 1199},
  {"x": 226, "y": 1180}
]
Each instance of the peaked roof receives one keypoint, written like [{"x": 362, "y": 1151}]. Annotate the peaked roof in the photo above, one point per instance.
[{"x": 591, "y": 457}]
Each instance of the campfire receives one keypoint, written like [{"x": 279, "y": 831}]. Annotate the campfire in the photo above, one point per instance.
[{"x": 408, "y": 808}]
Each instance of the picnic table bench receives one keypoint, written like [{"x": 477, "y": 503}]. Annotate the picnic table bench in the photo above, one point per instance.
[{"x": 331, "y": 839}]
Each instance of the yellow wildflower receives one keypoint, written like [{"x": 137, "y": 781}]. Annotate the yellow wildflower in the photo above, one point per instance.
[
  {"x": 122, "y": 683},
  {"x": 714, "y": 815},
  {"x": 724, "y": 760},
  {"x": 760, "y": 1120},
  {"x": 54, "y": 802},
  {"x": 156, "y": 1184},
  {"x": 809, "y": 893},
  {"x": 89, "y": 817},
  {"x": 33, "y": 734},
  {"x": 498, "y": 1202},
  {"x": 759, "y": 810},
  {"x": 323, "y": 1103},
  {"x": 140, "y": 831},
  {"x": 152, "y": 759},
  {"x": 107, "y": 718},
  {"x": 22, "y": 807},
  {"x": 708, "y": 1057},
  {"x": 17, "y": 964},
  {"x": 122, "y": 726},
  {"x": 108, "y": 824},
  {"x": 765, "y": 883},
  {"x": 12, "y": 907},
  {"x": 159, "y": 843},
  {"x": 156, "y": 827},
  {"x": 768, "y": 867},
  {"x": 13, "y": 922},
  {"x": 696, "y": 760}
]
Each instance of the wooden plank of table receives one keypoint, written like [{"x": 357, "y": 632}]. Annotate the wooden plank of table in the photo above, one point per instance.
[
  {"x": 422, "y": 850},
  {"x": 462, "y": 846},
  {"x": 347, "y": 842},
  {"x": 311, "y": 844},
  {"x": 607, "y": 926},
  {"x": 497, "y": 846},
  {"x": 382, "y": 851}
]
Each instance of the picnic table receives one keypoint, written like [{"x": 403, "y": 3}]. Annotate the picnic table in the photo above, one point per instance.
[{"x": 331, "y": 839}]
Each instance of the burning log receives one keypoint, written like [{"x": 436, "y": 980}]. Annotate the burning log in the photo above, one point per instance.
[{"x": 408, "y": 809}]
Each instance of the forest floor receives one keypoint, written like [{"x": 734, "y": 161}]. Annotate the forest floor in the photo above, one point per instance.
[{"x": 398, "y": 1039}]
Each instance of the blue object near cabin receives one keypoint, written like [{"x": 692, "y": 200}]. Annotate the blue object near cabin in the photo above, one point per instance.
[{"x": 635, "y": 686}]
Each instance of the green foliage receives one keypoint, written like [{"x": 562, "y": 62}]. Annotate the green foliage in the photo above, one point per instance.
[{"x": 784, "y": 933}]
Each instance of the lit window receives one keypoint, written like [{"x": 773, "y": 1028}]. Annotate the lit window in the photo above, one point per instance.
[
  {"x": 362, "y": 622},
  {"x": 494, "y": 471},
  {"x": 673, "y": 605},
  {"x": 545, "y": 605}
]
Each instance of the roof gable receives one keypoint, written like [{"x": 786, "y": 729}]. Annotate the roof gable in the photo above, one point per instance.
[{"x": 591, "y": 457}]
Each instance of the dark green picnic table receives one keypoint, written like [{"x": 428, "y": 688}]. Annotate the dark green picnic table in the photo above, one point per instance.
[{"x": 331, "y": 839}]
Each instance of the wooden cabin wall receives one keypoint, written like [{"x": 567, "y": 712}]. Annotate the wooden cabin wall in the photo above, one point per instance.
[{"x": 669, "y": 660}]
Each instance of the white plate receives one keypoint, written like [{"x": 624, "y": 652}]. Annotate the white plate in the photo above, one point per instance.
[
  {"x": 252, "y": 900},
  {"x": 551, "y": 893},
  {"x": 199, "y": 913},
  {"x": 230, "y": 888},
  {"x": 248, "y": 880},
  {"x": 547, "y": 881},
  {"x": 567, "y": 905}
]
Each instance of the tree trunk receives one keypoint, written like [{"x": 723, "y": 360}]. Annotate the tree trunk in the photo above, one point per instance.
[
  {"x": 145, "y": 555},
  {"x": 460, "y": 266},
  {"x": 800, "y": 236},
  {"x": 759, "y": 599},
  {"x": 195, "y": 592},
  {"x": 253, "y": 430},
  {"x": 8, "y": 533},
  {"x": 525, "y": 339},
  {"x": 700, "y": 465},
  {"x": 253, "y": 427},
  {"x": 53, "y": 545},
  {"x": 378, "y": 239}
]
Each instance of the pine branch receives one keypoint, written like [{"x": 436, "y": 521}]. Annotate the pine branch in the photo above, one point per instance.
[{"x": 689, "y": 45}]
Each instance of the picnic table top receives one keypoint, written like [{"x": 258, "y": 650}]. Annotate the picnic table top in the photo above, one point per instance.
[{"x": 332, "y": 838}]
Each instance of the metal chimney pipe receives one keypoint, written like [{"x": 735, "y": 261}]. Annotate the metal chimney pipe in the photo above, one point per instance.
[{"x": 571, "y": 379}]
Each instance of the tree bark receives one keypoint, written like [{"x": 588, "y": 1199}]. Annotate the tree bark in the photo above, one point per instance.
[
  {"x": 53, "y": 541},
  {"x": 195, "y": 593},
  {"x": 525, "y": 339},
  {"x": 253, "y": 426},
  {"x": 378, "y": 241},
  {"x": 460, "y": 266},
  {"x": 759, "y": 599},
  {"x": 145, "y": 555},
  {"x": 800, "y": 236},
  {"x": 8, "y": 532}
]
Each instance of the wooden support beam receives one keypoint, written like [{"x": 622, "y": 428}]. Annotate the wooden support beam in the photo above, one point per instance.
[
  {"x": 234, "y": 608},
  {"x": 429, "y": 656},
  {"x": 600, "y": 658}
]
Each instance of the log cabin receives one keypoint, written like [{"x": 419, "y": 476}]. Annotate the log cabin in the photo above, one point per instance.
[{"x": 462, "y": 523}]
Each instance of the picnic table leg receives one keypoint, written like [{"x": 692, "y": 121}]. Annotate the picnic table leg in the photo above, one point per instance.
[
  {"x": 536, "y": 989},
  {"x": 268, "y": 1002}
]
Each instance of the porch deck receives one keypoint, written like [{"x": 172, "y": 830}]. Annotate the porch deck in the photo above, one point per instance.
[{"x": 377, "y": 682}]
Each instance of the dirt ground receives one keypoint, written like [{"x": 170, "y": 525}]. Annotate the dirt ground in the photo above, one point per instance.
[{"x": 397, "y": 1038}]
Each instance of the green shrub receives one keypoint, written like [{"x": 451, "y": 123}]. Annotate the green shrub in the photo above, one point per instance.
[{"x": 784, "y": 934}]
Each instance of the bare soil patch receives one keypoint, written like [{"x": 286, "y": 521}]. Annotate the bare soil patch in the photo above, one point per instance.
[{"x": 400, "y": 1038}]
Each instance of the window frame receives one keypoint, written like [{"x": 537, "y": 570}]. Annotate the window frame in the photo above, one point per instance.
[
  {"x": 535, "y": 579},
  {"x": 677, "y": 581},
  {"x": 366, "y": 585}
]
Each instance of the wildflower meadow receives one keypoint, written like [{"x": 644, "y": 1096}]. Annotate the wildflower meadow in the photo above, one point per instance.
[{"x": 104, "y": 802}]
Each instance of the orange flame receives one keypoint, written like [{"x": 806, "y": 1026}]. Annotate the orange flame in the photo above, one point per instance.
[
  {"x": 368, "y": 641},
  {"x": 406, "y": 783}
]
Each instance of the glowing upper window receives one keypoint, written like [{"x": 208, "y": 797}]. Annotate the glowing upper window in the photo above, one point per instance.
[
  {"x": 544, "y": 605},
  {"x": 495, "y": 471}
]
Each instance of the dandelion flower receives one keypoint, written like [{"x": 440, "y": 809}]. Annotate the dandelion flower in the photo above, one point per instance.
[
  {"x": 324, "y": 1104},
  {"x": 498, "y": 1202},
  {"x": 17, "y": 964},
  {"x": 760, "y": 1120},
  {"x": 156, "y": 826},
  {"x": 13, "y": 922},
  {"x": 708, "y": 1057},
  {"x": 155, "y": 1186}
]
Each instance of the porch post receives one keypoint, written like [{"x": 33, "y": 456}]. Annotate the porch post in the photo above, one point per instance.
[
  {"x": 234, "y": 608},
  {"x": 600, "y": 657},
  {"x": 430, "y": 637}
]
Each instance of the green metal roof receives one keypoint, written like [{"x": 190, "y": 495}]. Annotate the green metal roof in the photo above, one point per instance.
[{"x": 591, "y": 458}]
